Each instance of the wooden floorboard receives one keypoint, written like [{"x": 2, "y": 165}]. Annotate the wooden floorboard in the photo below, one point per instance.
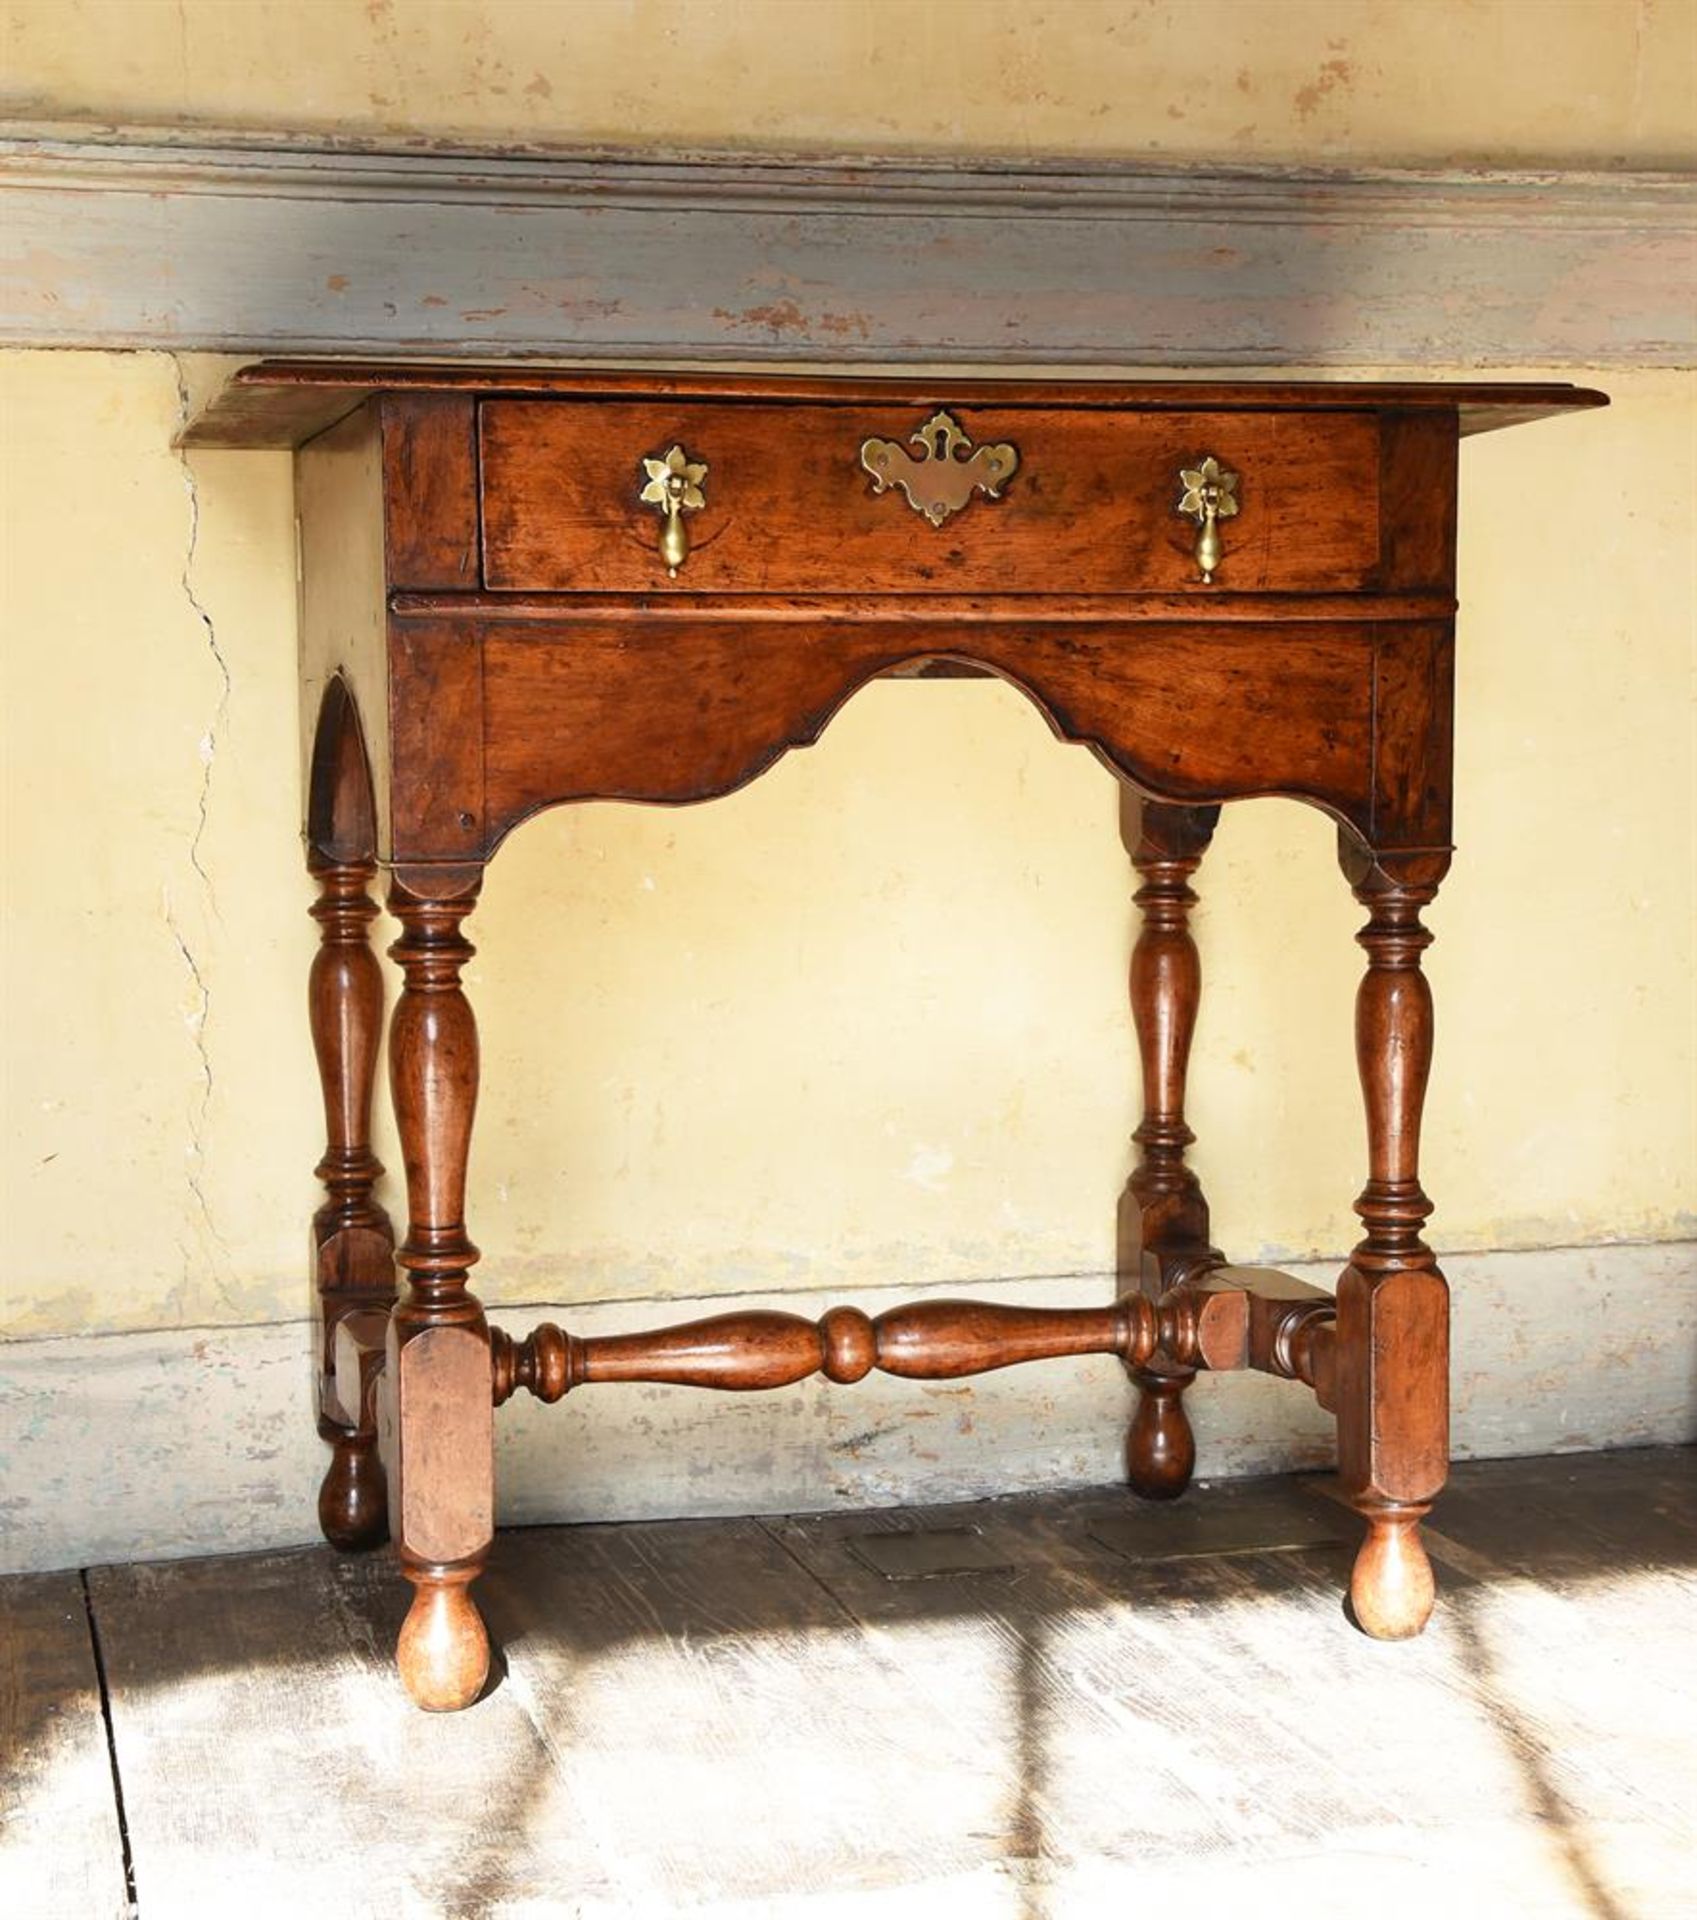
[
  {"x": 270, "y": 1763},
  {"x": 1581, "y": 1516},
  {"x": 61, "y": 1851},
  {"x": 1198, "y": 1674},
  {"x": 699, "y": 1688},
  {"x": 1578, "y": 1636},
  {"x": 1047, "y": 1709}
]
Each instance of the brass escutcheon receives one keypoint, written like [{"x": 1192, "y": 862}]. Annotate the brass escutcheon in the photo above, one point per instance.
[
  {"x": 1210, "y": 496},
  {"x": 676, "y": 484},
  {"x": 946, "y": 475}
]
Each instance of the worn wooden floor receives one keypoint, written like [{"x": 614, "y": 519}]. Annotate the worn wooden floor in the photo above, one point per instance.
[{"x": 1044, "y": 1708}]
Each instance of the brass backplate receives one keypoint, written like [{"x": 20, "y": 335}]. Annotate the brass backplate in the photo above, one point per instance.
[{"x": 945, "y": 476}]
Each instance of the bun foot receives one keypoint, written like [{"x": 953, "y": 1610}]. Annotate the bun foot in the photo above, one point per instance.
[
  {"x": 443, "y": 1651},
  {"x": 353, "y": 1501},
  {"x": 1160, "y": 1449},
  {"x": 1391, "y": 1590}
]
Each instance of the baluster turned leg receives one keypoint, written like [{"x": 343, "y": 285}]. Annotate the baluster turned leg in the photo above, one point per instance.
[
  {"x": 1166, "y": 1216},
  {"x": 353, "y": 1243},
  {"x": 438, "y": 1368},
  {"x": 1393, "y": 1303}
]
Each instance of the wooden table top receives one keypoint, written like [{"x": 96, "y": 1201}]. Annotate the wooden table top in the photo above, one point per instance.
[{"x": 281, "y": 403}]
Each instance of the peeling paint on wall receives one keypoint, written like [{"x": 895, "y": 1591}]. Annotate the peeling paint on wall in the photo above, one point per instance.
[{"x": 1330, "y": 80}]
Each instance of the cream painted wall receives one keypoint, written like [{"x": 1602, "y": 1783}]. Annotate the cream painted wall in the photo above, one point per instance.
[
  {"x": 1575, "y": 82},
  {"x": 863, "y": 1023}
]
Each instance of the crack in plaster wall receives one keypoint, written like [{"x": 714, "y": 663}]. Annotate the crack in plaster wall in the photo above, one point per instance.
[{"x": 199, "y": 1021}]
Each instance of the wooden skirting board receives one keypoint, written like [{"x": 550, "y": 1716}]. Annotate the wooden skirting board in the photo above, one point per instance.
[
  {"x": 1560, "y": 1349},
  {"x": 154, "y": 242}
]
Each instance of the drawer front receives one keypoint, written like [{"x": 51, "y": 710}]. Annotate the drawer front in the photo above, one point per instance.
[{"x": 788, "y": 507}]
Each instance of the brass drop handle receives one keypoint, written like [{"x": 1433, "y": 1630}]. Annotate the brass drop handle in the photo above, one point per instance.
[
  {"x": 676, "y": 484},
  {"x": 1210, "y": 496}
]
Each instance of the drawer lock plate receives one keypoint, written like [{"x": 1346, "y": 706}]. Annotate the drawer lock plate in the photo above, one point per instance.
[{"x": 946, "y": 474}]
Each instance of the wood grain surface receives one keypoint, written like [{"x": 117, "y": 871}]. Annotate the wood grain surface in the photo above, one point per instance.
[
  {"x": 281, "y": 403},
  {"x": 693, "y": 709},
  {"x": 61, "y": 1851},
  {"x": 1091, "y": 507},
  {"x": 1028, "y": 1709}
]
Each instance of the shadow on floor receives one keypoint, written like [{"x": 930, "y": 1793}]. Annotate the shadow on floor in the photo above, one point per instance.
[{"x": 1019, "y": 1707}]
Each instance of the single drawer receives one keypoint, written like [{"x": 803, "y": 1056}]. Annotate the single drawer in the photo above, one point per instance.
[{"x": 787, "y": 504}]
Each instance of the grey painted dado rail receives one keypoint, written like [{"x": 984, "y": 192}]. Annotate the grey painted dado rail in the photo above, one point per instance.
[{"x": 244, "y": 248}]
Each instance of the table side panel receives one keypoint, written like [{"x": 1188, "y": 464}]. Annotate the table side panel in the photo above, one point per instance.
[{"x": 1092, "y": 507}]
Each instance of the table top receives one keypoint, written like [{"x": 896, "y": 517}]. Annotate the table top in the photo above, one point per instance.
[{"x": 282, "y": 403}]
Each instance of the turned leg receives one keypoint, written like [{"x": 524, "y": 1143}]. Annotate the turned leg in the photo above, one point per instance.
[
  {"x": 1393, "y": 1303},
  {"x": 438, "y": 1382},
  {"x": 352, "y": 1241},
  {"x": 1164, "y": 1217}
]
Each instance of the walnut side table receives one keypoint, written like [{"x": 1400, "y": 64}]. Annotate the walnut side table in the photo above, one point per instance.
[{"x": 522, "y": 588}]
